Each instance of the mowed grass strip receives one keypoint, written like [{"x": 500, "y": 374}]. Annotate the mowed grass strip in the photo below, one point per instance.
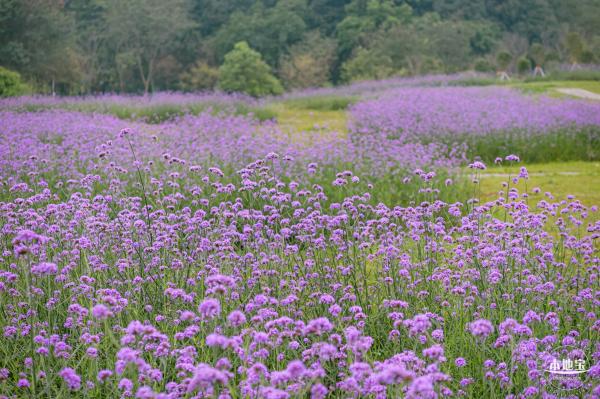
[
  {"x": 549, "y": 87},
  {"x": 560, "y": 179},
  {"x": 294, "y": 120}
]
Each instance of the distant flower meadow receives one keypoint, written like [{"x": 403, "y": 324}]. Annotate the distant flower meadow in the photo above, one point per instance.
[
  {"x": 490, "y": 121},
  {"x": 78, "y": 139},
  {"x": 416, "y": 112},
  {"x": 122, "y": 100},
  {"x": 370, "y": 87},
  {"x": 215, "y": 256}
]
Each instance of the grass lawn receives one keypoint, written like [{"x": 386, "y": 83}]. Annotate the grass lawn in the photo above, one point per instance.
[
  {"x": 581, "y": 179},
  {"x": 301, "y": 120},
  {"x": 549, "y": 87}
]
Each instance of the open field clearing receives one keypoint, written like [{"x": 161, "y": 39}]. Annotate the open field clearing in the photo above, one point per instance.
[
  {"x": 560, "y": 179},
  {"x": 553, "y": 88}
]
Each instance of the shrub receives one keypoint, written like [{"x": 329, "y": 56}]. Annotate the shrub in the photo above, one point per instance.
[
  {"x": 503, "y": 60},
  {"x": 587, "y": 57},
  {"x": 324, "y": 103},
  {"x": 309, "y": 62},
  {"x": 523, "y": 65},
  {"x": 199, "y": 77},
  {"x": 367, "y": 65},
  {"x": 10, "y": 83},
  {"x": 483, "y": 65},
  {"x": 244, "y": 71}
]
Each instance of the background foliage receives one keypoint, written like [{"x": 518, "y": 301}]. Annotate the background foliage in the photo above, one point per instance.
[{"x": 92, "y": 46}]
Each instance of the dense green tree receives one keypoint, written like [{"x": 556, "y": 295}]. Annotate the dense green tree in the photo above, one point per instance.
[
  {"x": 483, "y": 65},
  {"x": 450, "y": 44},
  {"x": 537, "y": 52},
  {"x": 406, "y": 47},
  {"x": 484, "y": 38},
  {"x": 523, "y": 65},
  {"x": 326, "y": 14},
  {"x": 460, "y": 9},
  {"x": 503, "y": 60},
  {"x": 212, "y": 14},
  {"x": 529, "y": 18},
  {"x": 200, "y": 76},
  {"x": 583, "y": 15},
  {"x": 36, "y": 40},
  {"x": 72, "y": 46},
  {"x": 365, "y": 17},
  {"x": 244, "y": 71},
  {"x": 97, "y": 58},
  {"x": 575, "y": 47},
  {"x": 10, "y": 83},
  {"x": 309, "y": 62},
  {"x": 366, "y": 65},
  {"x": 143, "y": 31},
  {"x": 268, "y": 30}
]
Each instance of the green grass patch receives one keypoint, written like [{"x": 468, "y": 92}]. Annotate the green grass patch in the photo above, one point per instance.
[
  {"x": 484, "y": 81},
  {"x": 536, "y": 85},
  {"x": 262, "y": 113},
  {"x": 323, "y": 103},
  {"x": 548, "y": 87},
  {"x": 294, "y": 120},
  {"x": 561, "y": 145},
  {"x": 580, "y": 179},
  {"x": 576, "y": 75}
]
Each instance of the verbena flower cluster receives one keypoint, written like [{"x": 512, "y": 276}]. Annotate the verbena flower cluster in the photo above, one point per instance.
[
  {"x": 416, "y": 112},
  {"x": 489, "y": 121},
  {"x": 109, "y": 102},
  {"x": 212, "y": 257},
  {"x": 369, "y": 87},
  {"x": 73, "y": 141}
]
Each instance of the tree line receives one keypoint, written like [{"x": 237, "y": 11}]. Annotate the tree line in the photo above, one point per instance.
[{"x": 95, "y": 46}]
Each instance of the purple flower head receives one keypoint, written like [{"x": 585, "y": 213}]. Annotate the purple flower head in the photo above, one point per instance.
[
  {"x": 236, "y": 318},
  {"x": 101, "y": 312},
  {"x": 209, "y": 308},
  {"x": 23, "y": 383},
  {"x": 481, "y": 328},
  {"x": 477, "y": 165},
  {"x": 318, "y": 391},
  {"x": 206, "y": 377},
  {"x": 103, "y": 375},
  {"x": 44, "y": 269},
  {"x": 125, "y": 132},
  {"x": 422, "y": 388},
  {"x": 71, "y": 378},
  {"x": 295, "y": 369}
]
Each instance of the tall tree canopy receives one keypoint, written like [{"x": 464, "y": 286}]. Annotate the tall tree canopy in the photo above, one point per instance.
[{"x": 82, "y": 46}]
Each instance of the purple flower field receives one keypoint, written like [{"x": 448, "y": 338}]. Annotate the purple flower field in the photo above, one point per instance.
[
  {"x": 124, "y": 101},
  {"x": 416, "y": 112},
  {"x": 216, "y": 256},
  {"x": 72, "y": 140},
  {"x": 487, "y": 119}
]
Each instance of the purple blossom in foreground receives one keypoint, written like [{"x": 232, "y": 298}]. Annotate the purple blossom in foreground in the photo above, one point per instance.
[
  {"x": 209, "y": 308},
  {"x": 44, "y": 268},
  {"x": 71, "y": 378},
  {"x": 481, "y": 328}
]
